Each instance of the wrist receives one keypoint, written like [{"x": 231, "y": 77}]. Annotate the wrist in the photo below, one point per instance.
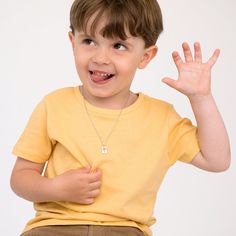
[
  {"x": 198, "y": 99},
  {"x": 48, "y": 190},
  {"x": 56, "y": 189}
]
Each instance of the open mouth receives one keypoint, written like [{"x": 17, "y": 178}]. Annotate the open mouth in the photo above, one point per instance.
[{"x": 98, "y": 76}]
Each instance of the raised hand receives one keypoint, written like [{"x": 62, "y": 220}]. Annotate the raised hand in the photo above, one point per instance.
[
  {"x": 194, "y": 78},
  {"x": 79, "y": 186}
]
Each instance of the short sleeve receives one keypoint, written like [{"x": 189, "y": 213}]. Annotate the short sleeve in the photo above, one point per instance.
[
  {"x": 34, "y": 144},
  {"x": 182, "y": 138}
]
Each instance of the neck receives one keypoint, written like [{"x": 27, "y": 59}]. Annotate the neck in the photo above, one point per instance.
[{"x": 114, "y": 102}]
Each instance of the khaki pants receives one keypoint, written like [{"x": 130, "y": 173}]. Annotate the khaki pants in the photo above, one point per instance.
[{"x": 84, "y": 230}]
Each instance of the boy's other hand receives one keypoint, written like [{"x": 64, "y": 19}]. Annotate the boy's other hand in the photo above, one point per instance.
[
  {"x": 79, "y": 186},
  {"x": 194, "y": 78}
]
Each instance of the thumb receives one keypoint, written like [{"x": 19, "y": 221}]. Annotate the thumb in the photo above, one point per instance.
[
  {"x": 170, "y": 82},
  {"x": 86, "y": 169}
]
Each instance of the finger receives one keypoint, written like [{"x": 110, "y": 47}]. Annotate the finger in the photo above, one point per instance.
[
  {"x": 94, "y": 193},
  {"x": 198, "y": 52},
  {"x": 214, "y": 58},
  {"x": 96, "y": 176},
  {"x": 187, "y": 52},
  {"x": 84, "y": 169},
  {"x": 170, "y": 82},
  {"x": 94, "y": 185},
  {"x": 177, "y": 59},
  {"x": 89, "y": 201}
]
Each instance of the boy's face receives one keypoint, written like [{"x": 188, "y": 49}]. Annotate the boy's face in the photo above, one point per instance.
[{"x": 106, "y": 67}]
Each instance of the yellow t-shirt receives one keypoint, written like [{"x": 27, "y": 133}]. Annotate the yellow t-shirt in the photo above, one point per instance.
[{"x": 148, "y": 138}]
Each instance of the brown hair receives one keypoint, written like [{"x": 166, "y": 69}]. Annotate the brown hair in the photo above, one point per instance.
[{"x": 142, "y": 18}]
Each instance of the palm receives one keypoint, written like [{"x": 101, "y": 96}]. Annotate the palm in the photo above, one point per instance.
[{"x": 194, "y": 75}]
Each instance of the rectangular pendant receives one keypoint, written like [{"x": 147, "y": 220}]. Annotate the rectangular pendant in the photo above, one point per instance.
[{"x": 104, "y": 149}]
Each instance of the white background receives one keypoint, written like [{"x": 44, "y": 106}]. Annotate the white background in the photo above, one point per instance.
[{"x": 36, "y": 58}]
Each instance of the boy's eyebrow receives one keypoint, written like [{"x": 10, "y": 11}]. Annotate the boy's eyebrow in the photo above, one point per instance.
[{"x": 82, "y": 34}]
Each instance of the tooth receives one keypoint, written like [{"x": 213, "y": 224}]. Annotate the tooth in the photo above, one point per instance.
[{"x": 102, "y": 74}]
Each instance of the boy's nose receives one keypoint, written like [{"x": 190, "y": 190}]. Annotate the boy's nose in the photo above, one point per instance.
[{"x": 101, "y": 56}]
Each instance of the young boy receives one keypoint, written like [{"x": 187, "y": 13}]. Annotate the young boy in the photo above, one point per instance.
[{"x": 107, "y": 149}]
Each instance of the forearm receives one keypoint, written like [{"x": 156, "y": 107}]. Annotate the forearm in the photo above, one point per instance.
[
  {"x": 212, "y": 134},
  {"x": 30, "y": 185},
  {"x": 76, "y": 185}
]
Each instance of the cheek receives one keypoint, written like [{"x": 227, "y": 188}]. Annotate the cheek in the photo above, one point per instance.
[
  {"x": 80, "y": 65},
  {"x": 128, "y": 65},
  {"x": 80, "y": 61}
]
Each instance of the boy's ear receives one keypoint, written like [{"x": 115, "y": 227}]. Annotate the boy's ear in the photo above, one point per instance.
[
  {"x": 72, "y": 39},
  {"x": 148, "y": 55}
]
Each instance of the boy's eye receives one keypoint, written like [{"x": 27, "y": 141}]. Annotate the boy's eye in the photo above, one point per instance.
[
  {"x": 120, "y": 47},
  {"x": 88, "y": 41}
]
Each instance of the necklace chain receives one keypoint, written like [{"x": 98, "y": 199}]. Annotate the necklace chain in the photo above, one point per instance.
[{"x": 104, "y": 147}]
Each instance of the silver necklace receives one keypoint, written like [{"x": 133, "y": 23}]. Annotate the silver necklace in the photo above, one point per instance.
[{"x": 104, "y": 143}]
